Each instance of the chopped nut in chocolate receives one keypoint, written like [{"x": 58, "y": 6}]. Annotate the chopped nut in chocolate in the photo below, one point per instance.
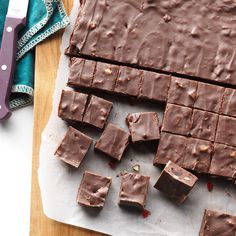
[
  {"x": 73, "y": 147},
  {"x": 133, "y": 190},
  {"x": 97, "y": 112},
  {"x": 143, "y": 126},
  {"x": 113, "y": 141},
  {"x": 93, "y": 190},
  {"x": 175, "y": 182}
]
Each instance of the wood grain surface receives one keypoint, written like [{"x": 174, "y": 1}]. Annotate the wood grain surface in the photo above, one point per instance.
[{"x": 47, "y": 58}]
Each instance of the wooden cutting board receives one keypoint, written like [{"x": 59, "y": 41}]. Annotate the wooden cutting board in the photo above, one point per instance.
[{"x": 47, "y": 58}]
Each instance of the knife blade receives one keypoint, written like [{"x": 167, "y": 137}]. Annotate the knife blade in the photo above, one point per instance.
[{"x": 15, "y": 21}]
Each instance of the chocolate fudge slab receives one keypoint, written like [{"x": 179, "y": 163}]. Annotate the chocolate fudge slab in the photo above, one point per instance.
[
  {"x": 93, "y": 190},
  {"x": 97, "y": 112},
  {"x": 223, "y": 161},
  {"x": 182, "y": 92},
  {"x": 128, "y": 81},
  {"x": 113, "y": 141},
  {"x": 127, "y": 32},
  {"x": 209, "y": 97},
  {"x": 105, "y": 76},
  {"x": 226, "y": 131},
  {"x": 171, "y": 147},
  {"x": 229, "y": 102},
  {"x": 198, "y": 155},
  {"x": 204, "y": 125},
  {"x": 73, "y": 147},
  {"x": 133, "y": 190},
  {"x": 175, "y": 182},
  {"x": 177, "y": 119},
  {"x": 216, "y": 223},
  {"x": 143, "y": 126},
  {"x": 72, "y": 106},
  {"x": 81, "y": 77},
  {"x": 154, "y": 86}
]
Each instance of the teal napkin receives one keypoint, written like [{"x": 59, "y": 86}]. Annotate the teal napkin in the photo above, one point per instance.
[{"x": 44, "y": 18}]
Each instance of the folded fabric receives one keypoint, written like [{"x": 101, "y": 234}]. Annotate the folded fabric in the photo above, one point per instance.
[{"x": 44, "y": 18}]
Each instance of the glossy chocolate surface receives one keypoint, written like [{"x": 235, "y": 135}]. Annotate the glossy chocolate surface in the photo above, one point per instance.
[
  {"x": 128, "y": 31},
  {"x": 73, "y": 147},
  {"x": 93, "y": 190},
  {"x": 229, "y": 102},
  {"x": 105, "y": 76},
  {"x": 133, "y": 190},
  {"x": 171, "y": 147},
  {"x": 143, "y": 126},
  {"x": 97, "y": 112},
  {"x": 175, "y": 182},
  {"x": 198, "y": 155},
  {"x": 223, "y": 161},
  {"x": 182, "y": 91},
  {"x": 113, "y": 141},
  {"x": 177, "y": 119},
  {"x": 218, "y": 224},
  {"x": 226, "y": 131},
  {"x": 204, "y": 125},
  {"x": 72, "y": 106}
]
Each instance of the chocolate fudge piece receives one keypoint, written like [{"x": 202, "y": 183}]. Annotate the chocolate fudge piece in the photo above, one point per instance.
[
  {"x": 105, "y": 76},
  {"x": 133, "y": 190},
  {"x": 223, "y": 161},
  {"x": 73, "y": 147},
  {"x": 216, "y": 223},
  {"x": 204, "y": 125},
  {"x": 209, "y": 97},
  {"x": 171, "y": 147},
  {"x": 175, "y": 182},
  {"x": 72, "y": 106},
  {"x": 154, "y": 86},
  {"x": 97, "y": 112},
  {"x": 128, "y": 32},
  {"x": 93, "y": 190},
  {"x": 198, "y": 155},
  {"x": 113, "y": 141},
  {"x": 182, "y": 91},
  {"x": 128, "y": 81},
  {"x": 81, "y": 73},
  {"x": 226, "y": 131},
  {"x": 229, "y": 102},
  {"x": 177, "y": 119},
  {"x": 143, "y": 126}
]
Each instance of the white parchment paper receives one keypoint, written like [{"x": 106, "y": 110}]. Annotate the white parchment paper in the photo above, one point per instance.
[{"x": 59, "y": 183}]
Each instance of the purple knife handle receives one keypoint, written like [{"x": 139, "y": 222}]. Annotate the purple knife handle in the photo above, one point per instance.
[{"x": 8, "y": 62}]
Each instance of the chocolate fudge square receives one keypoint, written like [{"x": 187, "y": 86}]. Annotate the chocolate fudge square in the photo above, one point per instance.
[
  {"x": 216, "y": 223},
  {"x": 223, "y": 161},
  {"x": 171, "y": 147},
  {"x": 128, "y": 81},
  {"x": 209, "y": 97},
  {"x": 105, "y": 76},
  {"x": 229, "y": 102},
  {"x": 97, "y": 112},
  {"x": 204, "y": 125},
  {"x": 154, "y": 86},
  {"x": 198, "y": 155},
  {"x": 177, "y": 119},
  {"x": 143, "y": 126},
  {"x": 175, "y": 182},
  {"x": 72, "y": 106},
  {"x": 73, "y": 147},
  {"x": 226, "y": 131},
  {"x": 81, "y": 73},
  {"x": 133, "y": 190},
  {"x": 93, "y": 190},
  {"x": 113, "y": 141},
  {"x": 182, "y": 92}
]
